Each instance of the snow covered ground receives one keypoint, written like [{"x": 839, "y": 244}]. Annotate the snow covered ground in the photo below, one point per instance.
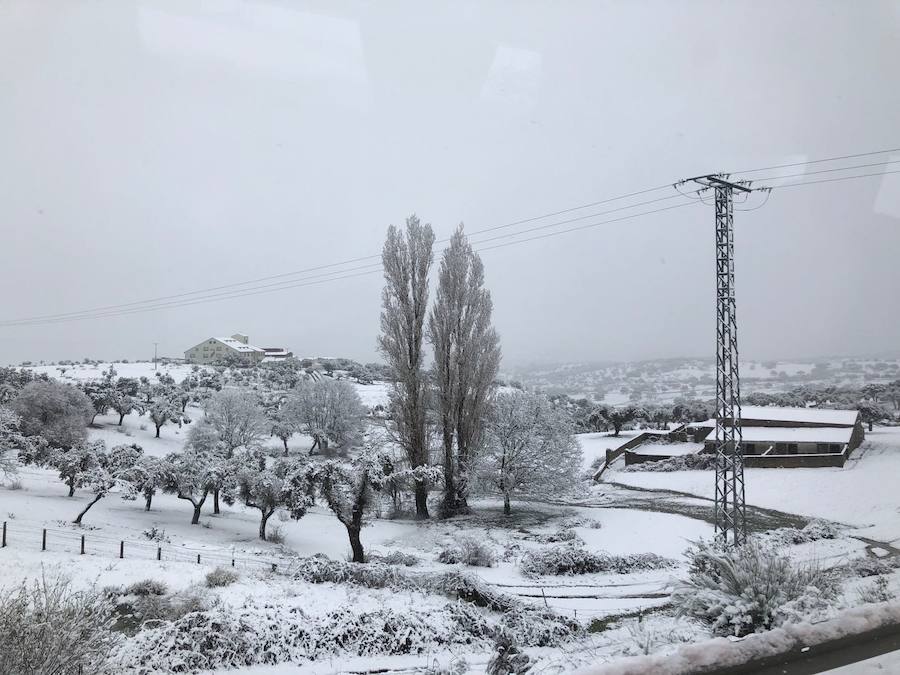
[{"x": 860, "y": 494}]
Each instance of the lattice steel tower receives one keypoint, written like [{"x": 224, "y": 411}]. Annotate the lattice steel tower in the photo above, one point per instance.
[{"x": 730, "y": 514}]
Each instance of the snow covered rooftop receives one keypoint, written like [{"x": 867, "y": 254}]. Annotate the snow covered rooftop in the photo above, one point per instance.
[
  {"x": 835, "y": 418},
  {"x": 668, "y": 449},
  {"x": 237, "y": 345},
  {"x": 796, "y": 434}
]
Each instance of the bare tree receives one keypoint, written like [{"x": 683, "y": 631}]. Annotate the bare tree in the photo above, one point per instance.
[
  {"x": 237, "y": 417},
  {"x": 328, "y": 410},
  {"x": 466, "y": 361},
  {"x": 407, "y": 258},
  {"x": 529, "y": 448}
]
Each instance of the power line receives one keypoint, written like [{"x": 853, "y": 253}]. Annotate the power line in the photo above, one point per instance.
[
  {"x": 274, "y": 285},
  {"x": 834, "y": 180},
  {"x": 818, "y": 161},
  {"x": 299, "y": 284},
  {"x": 820, "y": 171},
  {"x": 339, "y": 270}
]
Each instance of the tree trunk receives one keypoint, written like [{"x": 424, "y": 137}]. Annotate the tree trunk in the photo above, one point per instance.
[
  {"x": 421, "y": 492},
  {"x": 870, "y": 425},
  {"x": 216, "y": 501},
  {"x": 262, "y": 524},
  {"x": 121, "y": 417},
  {"x": 77, "y": 521},
  {"x": 196, "y": 519},
  {"x": 157, "y": 430},
  {"x": 284, "y": 440},
  {"x": 356, "y": 545},
  {"x": 148, "y": 501},
  {"x": 93, "y": 417},
  {"x": 71, "y": 486},
  {"x": 507, "y": 508}
]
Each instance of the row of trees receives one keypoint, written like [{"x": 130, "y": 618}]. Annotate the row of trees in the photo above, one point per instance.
[{"x": 451, "y": 397}]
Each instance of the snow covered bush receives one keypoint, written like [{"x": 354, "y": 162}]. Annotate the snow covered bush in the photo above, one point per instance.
[
  {"x": 812, "y": 531},
  {"x": 570, "y": 560},
  {"x": 750, "y": 589},
  {"x": 396, "y": 558},
  {"x": 48, "y": 627},
  {"x": 566, "y": 535},
  {"x": 268, "y": 634},
  {"x": 221, "y": 576},
  {"x": 468, "y": 551},
  {"x": 508, "y": 659},
  {"x": 877, "y": 591},
  {"x": 695, "y": 462},
  {"x": 147, "y": 587},
  {"x": 870, "y": 567}
]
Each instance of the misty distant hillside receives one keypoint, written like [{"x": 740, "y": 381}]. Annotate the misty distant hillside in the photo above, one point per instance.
[{"x": 664, "y": 380}]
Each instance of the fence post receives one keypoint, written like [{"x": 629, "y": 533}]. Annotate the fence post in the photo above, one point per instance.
[
  {"x": 82, "y": 544},
  {"x": 274, "y": 567},
  {"x": 159, "y": 552},
  {"x": 44, "y": 539},
  {"x": 232, "y": 560},
  {"x": 4, "y": 535},
  {"x": 198, "y": 558},
  {"x": 121, "y": 549}
]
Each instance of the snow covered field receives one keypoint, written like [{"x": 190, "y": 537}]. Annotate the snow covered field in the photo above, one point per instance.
[{"x": 860, "y": 494}]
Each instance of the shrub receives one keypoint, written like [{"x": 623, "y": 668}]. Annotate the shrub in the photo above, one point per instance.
[
  {"x": 468, "y": 551},
  {"x": 566, "y": 535},
  {"x": 221, "y": 576},
  {"x": 877, "y": 591},
  {"x": 275, "y": 534},
  {"x": 570, "y": 560},
  {"x": 232, "y": 637},
  {"x": 48, "y": 627},
  {"x": 750, "y": 589},
  {"x": 15, "y": 484},
  {"x": 814, "y": 530},
  {"x": 147, "y": 587},
  {"x": 695, "y": 462},
  {"x": 156, "y": 534},
  {"x": 508, "y": 659},
  {"x": 397, "y": 558},
  {"x": 870, "y": 567}
]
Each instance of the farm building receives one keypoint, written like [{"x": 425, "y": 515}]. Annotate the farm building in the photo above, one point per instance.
[
  {"x": 772, "y": 437},
  {"x": 790, "y": 437},
  {"x": 218, "y": 349}
]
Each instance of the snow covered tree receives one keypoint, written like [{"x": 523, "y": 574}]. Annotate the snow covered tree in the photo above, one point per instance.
[
  {"x": 619, "y": 417},
  {"x": 348, "y": 489},
  {"x": 99, "y": 395},
  {"x": 109, "y": 470},
  {"x": 466, "y": 361},
  {"x": 285, "y": 484},
  {"x": 189, "y": 479},
  {"x": 58, "y": 412},
  {"x": 147, "y": 476},
  {"x": 328, "y": 410},
  {"x": 529, "y": 448},
  {"x": 11, "y": 439},
  {"x": 237, "y": 417},
  {"x": 204, "y": 439},
  {"x": 75, "y": 461},
  {"x": 407, "y": 258},
  {"x": 282, "y": 425},
  {"x": 871, "y": 412},
  {"x": 163, "y": 409}
]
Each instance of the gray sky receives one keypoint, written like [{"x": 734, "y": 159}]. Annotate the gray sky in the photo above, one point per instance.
[{"x": 150, "y": 148}]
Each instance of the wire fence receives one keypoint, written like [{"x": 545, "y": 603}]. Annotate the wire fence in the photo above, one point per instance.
[
  {"x": 27, "y": 538},
  {"x": 35, "y": 538}
]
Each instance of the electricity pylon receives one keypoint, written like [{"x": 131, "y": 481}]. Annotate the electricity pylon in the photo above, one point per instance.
[{"x": 730, "y": 513}]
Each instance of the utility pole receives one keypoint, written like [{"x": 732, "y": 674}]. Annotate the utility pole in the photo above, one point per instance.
[
  {"x": 155, "y": 344},
  {"x": 730, "y": 514}
]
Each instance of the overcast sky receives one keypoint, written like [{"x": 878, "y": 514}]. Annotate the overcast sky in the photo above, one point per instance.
[{"x": 150, "y": 148}]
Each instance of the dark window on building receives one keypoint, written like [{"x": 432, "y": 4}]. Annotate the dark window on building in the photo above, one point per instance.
[
  {"x": 792, "y": 448},
  {"x": 821, "y": 448},
  {"x": 780, "y": 448},
  {"x": 749, "y": 448},
  {"x": 834, "y": 447}
]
